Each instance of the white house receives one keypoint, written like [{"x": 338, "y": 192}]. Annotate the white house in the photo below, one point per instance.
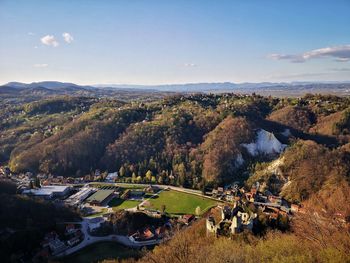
[{"x": 111, "y": 177}]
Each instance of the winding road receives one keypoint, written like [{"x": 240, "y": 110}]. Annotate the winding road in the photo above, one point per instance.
[{"x": 89, "y": 240}]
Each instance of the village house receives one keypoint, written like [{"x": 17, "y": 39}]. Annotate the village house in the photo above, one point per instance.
[
  {"x": 151, "y": 233},
  {"x": 230, "y": 197},
  {"x": 142, "y": 235},
  {"x": 211, "y": 226},
  {"x": 242, "y": 221},
  {"x": 74, "y": 240},
  {"x": 250, "y": 196},
  {"x": 57, "y": 246},
  {"x": 70, "y": 229},
  {"x": 151, "y": 189},
  {"x": 274, "y": 199},
  {"x": 5, "y": 171},
  {"x": 186, "y": 219},
  {"x": 112, "y": 177},
  {"x": 52, "y": 241}
]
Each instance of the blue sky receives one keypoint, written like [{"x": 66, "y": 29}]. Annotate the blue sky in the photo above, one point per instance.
[{"x": 182, "y": 41}]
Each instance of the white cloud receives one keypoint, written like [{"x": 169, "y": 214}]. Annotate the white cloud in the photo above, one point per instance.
[
  {"x": 292, "y": 58},
  {"x": 190, "y": 65},
  {"x": 40, "y": 65},
  {"x": 68, "y": 37},
  {"x": 49, "y": 40},
  {"x": 340, "y": 53},
  {"x": 31, "y": 34}
]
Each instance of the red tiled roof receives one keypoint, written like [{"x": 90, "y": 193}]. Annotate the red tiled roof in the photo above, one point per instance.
[{"x": 147, "y": 233}]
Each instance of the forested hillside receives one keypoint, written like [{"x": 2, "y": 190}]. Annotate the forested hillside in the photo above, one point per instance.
[{"x": 193, "y": 140}]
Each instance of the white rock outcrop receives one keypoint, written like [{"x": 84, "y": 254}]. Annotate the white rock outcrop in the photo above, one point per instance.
[{"x": 265, "y": 143}]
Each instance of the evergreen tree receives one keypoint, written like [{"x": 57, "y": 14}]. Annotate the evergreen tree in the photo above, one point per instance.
[
  {"x": 37, "y": 182},
  {"x": 160, "y": 179},
  {"x": 162, "y": 209}
]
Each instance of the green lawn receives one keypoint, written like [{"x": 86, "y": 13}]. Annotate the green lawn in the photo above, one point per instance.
[
  {"x": 119, "y": 204},
  {"x": 180, "y": 203},
  {"x": 101, "y": 251}
]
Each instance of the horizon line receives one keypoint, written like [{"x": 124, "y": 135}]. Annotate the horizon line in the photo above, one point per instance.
[{"x": 184, "y": 83}]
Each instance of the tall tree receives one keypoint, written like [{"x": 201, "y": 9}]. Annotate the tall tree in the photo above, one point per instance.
[
  {"x": 149, "y": 175},
  {"x": 122, "y": 171}
]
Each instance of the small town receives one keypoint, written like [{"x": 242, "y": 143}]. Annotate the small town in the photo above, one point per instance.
[{"x": 228, "y": 210}]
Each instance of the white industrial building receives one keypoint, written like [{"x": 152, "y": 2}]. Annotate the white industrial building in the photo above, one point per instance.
[
  {"x": 80, "y": 196},
  {"x": 49, "y": 191}
]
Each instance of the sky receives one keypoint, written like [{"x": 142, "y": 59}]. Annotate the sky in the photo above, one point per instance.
[{"x": 175, "y": 41}]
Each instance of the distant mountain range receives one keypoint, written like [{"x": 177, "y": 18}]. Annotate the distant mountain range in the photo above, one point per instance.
[
  {"x": 263, "y": 88},
  {"x": 220, "y": 86}
]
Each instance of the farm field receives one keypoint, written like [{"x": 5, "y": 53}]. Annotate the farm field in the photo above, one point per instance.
[{"x": 180, "y": 203}]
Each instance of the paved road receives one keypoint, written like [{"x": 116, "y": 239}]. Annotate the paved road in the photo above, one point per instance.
[{"x": 89, "y": 239}]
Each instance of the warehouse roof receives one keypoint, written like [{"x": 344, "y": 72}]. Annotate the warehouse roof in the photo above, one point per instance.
[
  {"x": 100, "y": 195},
  {"x": 47, "y": 190}
]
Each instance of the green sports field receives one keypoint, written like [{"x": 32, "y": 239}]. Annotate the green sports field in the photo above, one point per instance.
[
  {"x": 180, "y": 203},
  {"x": 119, "y": 204}
]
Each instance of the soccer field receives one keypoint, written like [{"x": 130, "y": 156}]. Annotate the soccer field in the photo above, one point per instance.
[
  {"x": 180, "y": 203},
  {"x": 119, "y": 204}
]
